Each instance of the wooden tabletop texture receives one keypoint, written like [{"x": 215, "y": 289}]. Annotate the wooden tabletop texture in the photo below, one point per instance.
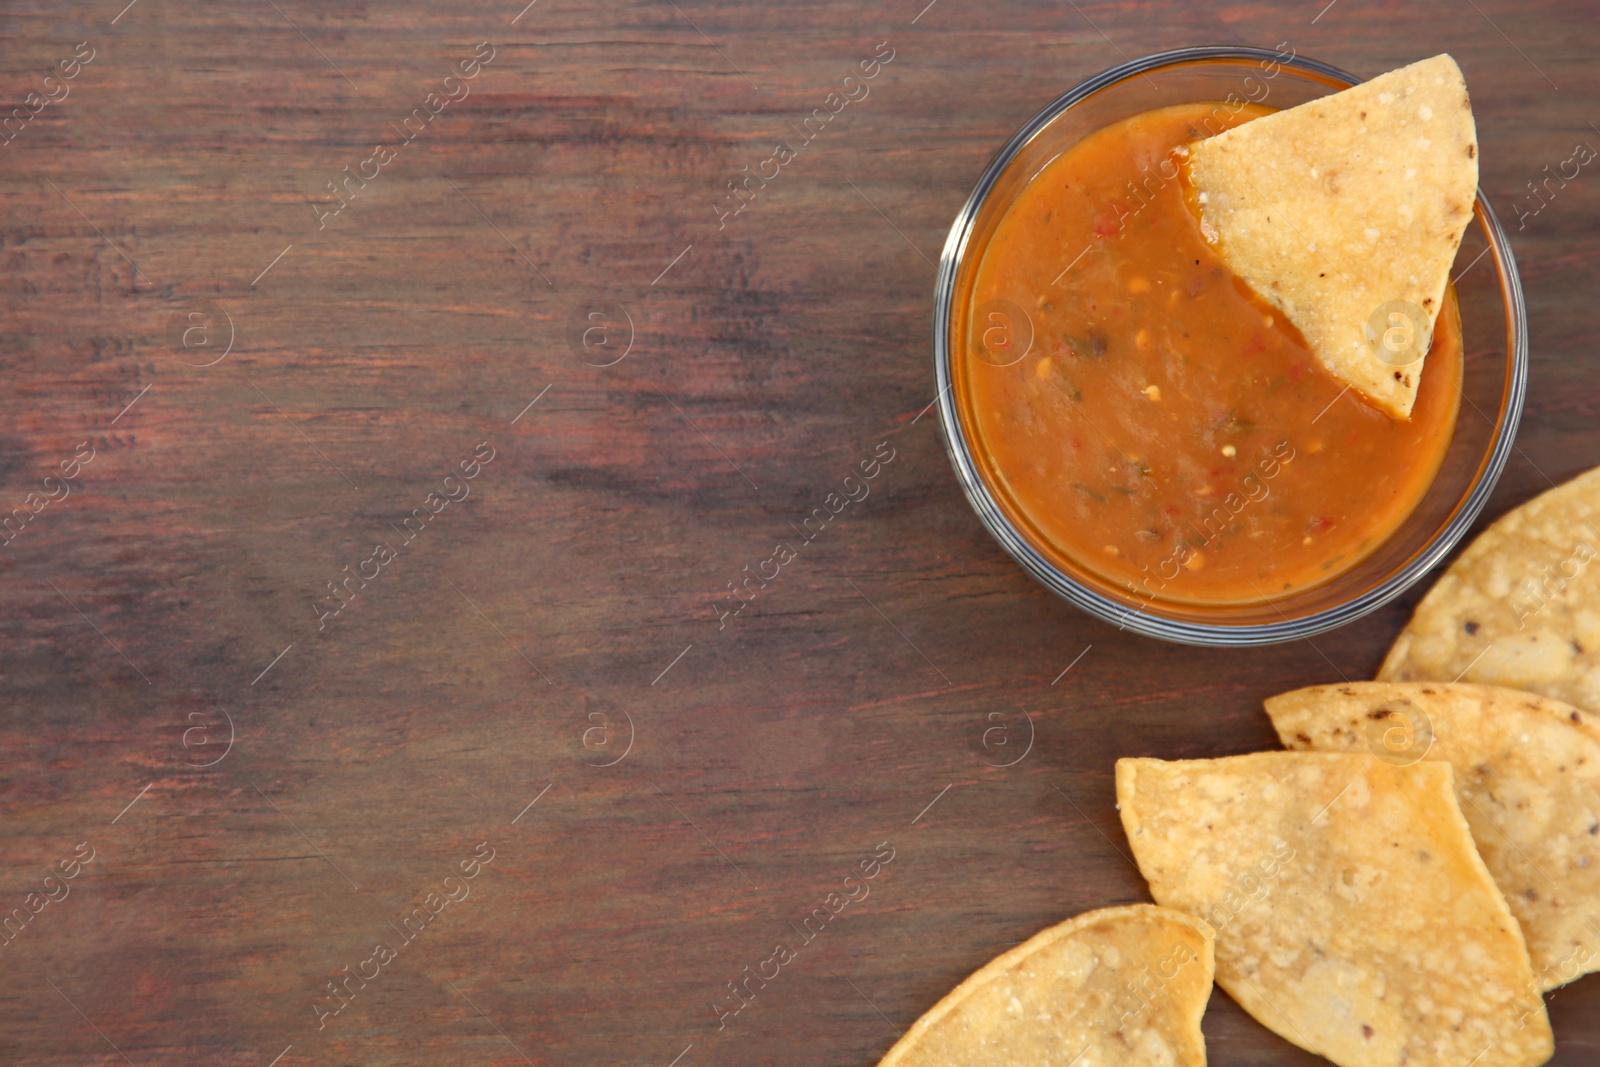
[{"x": 427, "y": 401}]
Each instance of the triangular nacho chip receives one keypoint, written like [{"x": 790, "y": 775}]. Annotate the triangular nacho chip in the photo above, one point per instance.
[
  {"x": 1520, "y": 607},
  {"x": 1346, "y": 213},
  {"x": 1122, "y": 986},
  {"x": 1353, "y": 915},
  {"x": 1527, "y": 773}
]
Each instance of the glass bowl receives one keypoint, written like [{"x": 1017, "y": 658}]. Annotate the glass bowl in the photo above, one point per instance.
[{"x": 1494, "y": 376}]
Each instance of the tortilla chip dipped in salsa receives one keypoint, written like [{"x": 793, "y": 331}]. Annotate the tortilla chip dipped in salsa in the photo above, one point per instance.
[
  {"x": 1155, "y": 409},
  {"x": 1345, "y": 213},
  {"x": 1123, "y": 986}
]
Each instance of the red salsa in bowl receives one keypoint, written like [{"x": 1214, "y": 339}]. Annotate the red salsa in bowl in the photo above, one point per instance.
[{"x": 1146, "y": 418}]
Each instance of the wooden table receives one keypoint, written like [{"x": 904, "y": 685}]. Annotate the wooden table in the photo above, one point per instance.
[{"x": 536, "y": 671}]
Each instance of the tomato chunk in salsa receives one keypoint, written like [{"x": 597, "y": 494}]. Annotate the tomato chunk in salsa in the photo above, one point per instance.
[{"x": 1150, "y": 419}]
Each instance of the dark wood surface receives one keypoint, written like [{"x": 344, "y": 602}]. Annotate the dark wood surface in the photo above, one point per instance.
[{"x": 501, "y": 654}]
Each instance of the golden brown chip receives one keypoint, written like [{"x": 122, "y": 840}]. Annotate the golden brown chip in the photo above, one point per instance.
[
  {"x": 1124, "y": 986},
  {"x": 1353, "y": 915},
  {"x": 1527, "y": 774},
  {"x": 1520, "y": 607},
  {"x": 1346, "y": 213}
]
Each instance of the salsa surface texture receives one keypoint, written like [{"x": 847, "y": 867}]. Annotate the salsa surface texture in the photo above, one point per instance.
[{"x": 1145, "y": 416}]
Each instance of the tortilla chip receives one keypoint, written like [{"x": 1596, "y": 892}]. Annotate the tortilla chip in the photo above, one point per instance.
[
  {"x": 1520, "y": 607},
  {"x": 1346, "y": 212},
  {"x": 1353, "y": 916},
  {"x": 1116, "y": 986},
  {"x": 1527, "y": 774}
]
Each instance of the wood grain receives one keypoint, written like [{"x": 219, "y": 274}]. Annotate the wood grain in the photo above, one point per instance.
[{"x": 574, "y": 590}]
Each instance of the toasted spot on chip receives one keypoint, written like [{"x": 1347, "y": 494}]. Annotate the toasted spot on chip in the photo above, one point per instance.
[
  {"x": 1333, "y": 254},
  {"x": 1124, "y": 985},
  {"x": 1530, "y": 589},
  {"x": 1528, "y": 778},
  {"x": 1346, "y": 894}
]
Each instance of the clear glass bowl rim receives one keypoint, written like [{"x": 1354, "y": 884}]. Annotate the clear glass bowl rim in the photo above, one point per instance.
[{"x": 1113, "y": 611}]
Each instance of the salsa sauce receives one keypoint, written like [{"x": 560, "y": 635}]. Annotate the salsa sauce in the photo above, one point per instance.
[{"x": 1149, "y": 418}]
